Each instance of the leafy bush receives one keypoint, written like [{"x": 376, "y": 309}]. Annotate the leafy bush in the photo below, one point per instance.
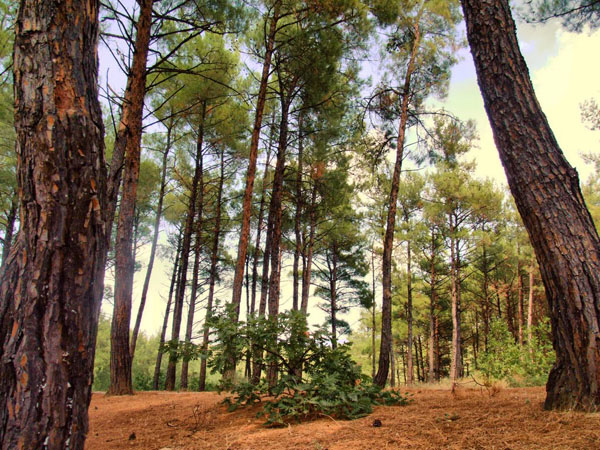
[
  {"x": 526, "y": 365},
  {"x": 314, "y": 379}
]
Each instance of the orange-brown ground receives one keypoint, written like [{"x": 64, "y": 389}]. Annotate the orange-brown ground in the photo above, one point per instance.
[{"x": 468, "y": 419}]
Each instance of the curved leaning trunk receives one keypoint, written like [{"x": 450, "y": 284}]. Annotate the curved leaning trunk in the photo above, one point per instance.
[{"x": 548, "y": 197}]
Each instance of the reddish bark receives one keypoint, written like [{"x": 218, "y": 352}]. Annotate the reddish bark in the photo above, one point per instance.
[
  {"x": 546, "y": 191},
  {"x": 53, "y": 279},
  {"x": 120, "y": 356},
  {"x": 250, "y": 174}
]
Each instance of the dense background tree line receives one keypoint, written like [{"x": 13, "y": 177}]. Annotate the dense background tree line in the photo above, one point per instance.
[{"x": 248, "y": 153}]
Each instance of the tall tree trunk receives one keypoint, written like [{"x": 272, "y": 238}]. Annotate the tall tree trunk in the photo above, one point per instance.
[
  {"x": 373, "y": 316},
  {"x": 53, "y": 279},
  {"x": 197, "y": 256},
  {"x": 250, "y": 174},
  {"x": 530, "y": 310},
  {"x": 456, "y": 356},
  {"x": 520, "y": 294},
  {"x": 163, "y": 331},
  {"x": 417, "y": 361},
  {"x": 276, "y": 209},
  {"x": 298, "y": 217},
  {"x": 261, "y": 213},
  {"x": 161, "y": 195},
  {"x": 307, "y": 273},
  {"x": 546, "y": 190},
  {"x": 333, "y": 273},
  {"x": 132, "y": 110},
  {"x": 185, "y": 255},
  {"x": 9, "y": 229},
  {"x": 409, "y": 318},
  {"x": 388, "y": 241},
  {"x": 120, "y": 357},
  {"x": 214, "y": 256},
  {"x": 432, "y": 313},
  {"x": 487, "y": 313}
]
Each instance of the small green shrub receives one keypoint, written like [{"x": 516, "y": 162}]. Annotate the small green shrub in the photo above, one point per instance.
[
  {"x": 526, "y": 365},
  {"x": 314, "y": 379}
]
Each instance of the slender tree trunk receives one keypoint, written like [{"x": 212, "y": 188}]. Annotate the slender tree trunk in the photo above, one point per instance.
[
  {"x": 9, "y": 230},
  {"x": 197, "y": 256},
  {"x": 373, "y": 317},
  {"x": 259, "y": 225},
  {"x": 298, "y": 217},
  {"x": 409, "y": 318},
  {"x": 422, "y": 362},
  {"x": 132, "y": 109},
  {"x": 417, "y": 361},
  {"x": 214, "y": 256},
  {"x": 388, "y": 242},
  {"x": 432, "y": 313},
  {"x": 530, "y": 311},
  {"x": 487, "y": 314},
  {"x": 306, "y": 275},
  {"x": 185, "y": 254},
  {"x": 393, "y": 368},
  {"x": 161, "y": 195},
  {"x": 276, "y": 208},
  {"x": 456, "y": 356},
  {"x": 120, "y": 356},
  {"x": 520, "y": 293},
  {"x": 53, "y": 279},
  {"x": 333, "y": 296},
  {"x": 247, "y": 203},
  {"x": 163, "y": 331},
  {"x": 546, "y": 190}
]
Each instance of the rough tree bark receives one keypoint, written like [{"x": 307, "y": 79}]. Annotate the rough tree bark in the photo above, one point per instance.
[
  {"x": 546, "y": 191},
  {"x": 298, "y": 217},
  {"x": 250, "y": 174},
  {"x": 120, "y": 356},
  {"x": 53, "y": 280},
  {"x": 9, "y": 229}
]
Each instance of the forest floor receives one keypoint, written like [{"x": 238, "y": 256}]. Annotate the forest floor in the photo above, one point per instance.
[{"x": 436, "y": 418}]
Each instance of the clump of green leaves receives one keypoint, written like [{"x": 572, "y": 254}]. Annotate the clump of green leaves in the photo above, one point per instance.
[
  {"x": 314, "y": 380},
  {"x": 526, "y": 365}
]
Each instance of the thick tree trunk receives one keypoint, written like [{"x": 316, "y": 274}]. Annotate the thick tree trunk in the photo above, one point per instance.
[
  {"x": 9, "y": 230},
  {"x": 161, "y": 196},
  {"x": 388, "y": 241},
  {"x": 546, "y": 191},
  {"x": 185, "y": 255},
  {"x": 250, "y": 174},
  {"x": 120, "y": 356},
  {"x": 214, "y": 256},
  {"x": 163, "y": 331},
  {"x": 53, "y": 280},
  {"x": 409, "y": 319}
]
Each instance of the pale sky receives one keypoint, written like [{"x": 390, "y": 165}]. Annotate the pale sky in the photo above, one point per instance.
[{"x": 565, "y": 71}]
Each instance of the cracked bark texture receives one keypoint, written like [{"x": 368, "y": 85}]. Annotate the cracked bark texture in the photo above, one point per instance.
[
  {"x": 52, "y": 286},
  {"x": 548, "y": 197}
]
